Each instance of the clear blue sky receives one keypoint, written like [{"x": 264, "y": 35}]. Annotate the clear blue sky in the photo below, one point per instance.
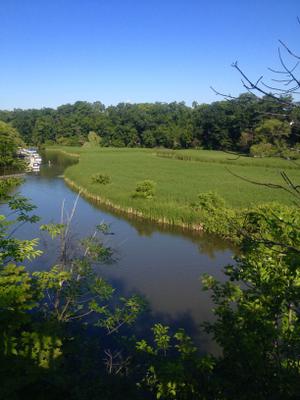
[{"x": 60, "y": 51}]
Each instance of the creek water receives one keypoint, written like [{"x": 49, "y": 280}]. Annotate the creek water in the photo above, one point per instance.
[{"x": 163, "y": 264}]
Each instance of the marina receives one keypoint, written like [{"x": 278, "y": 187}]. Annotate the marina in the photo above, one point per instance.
[{"x": 32, "y": 157}]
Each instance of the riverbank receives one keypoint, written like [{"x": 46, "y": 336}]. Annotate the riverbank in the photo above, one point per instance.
[
  {"x": 13, "y": 176},
  {"x": 130, "y": 210},
  {"x": 178, "y": 184}
]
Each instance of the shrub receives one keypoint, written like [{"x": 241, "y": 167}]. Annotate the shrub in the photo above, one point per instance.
[
  {"x": 94, "y": 140},
  {"x": 209, "y": 201},
  {"x": 102, "y": 179},
  {"x": 263, "y": 150},
  {"x": 145, "y": 189},
  {"x": 214, "y": 215},
  {"x": 290, "y": 153}
]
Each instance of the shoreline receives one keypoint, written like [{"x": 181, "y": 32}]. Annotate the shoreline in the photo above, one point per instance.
[
  {"x": 130, "y": 210},
  {"x": 74, "y": 155},
  {"x": 20, "y": 175}
]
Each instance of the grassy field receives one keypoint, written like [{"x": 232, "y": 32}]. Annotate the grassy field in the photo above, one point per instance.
[{"x": 180, "y": 176}]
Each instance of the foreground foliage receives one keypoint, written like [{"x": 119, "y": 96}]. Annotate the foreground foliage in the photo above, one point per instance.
[
  {"x": 43, "y": 316},
  {"x": 257, "y": 309}
]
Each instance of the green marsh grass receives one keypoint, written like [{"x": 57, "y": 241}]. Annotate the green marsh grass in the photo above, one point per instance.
[{"x": 178, "y": 182}]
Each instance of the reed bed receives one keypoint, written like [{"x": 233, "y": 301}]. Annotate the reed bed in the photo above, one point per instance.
[
  {"x": 209, "y": 156},
  {"x": 178, "y": 182}
]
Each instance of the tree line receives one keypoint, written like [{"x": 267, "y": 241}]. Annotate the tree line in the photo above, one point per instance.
[{"x": 235, "y": 125}]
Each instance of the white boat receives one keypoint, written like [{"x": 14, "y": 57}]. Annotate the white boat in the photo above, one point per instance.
[
  {"x": 37, "y": 158},
  {"x": 36, "y": 167},
  {"x": 34, "y": 163},
  {"x": 32, "y": 157}
]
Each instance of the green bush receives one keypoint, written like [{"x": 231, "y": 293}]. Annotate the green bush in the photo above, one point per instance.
[
  {"x": 208, "y": 201},
  {"x": 291, "y": 153},
  {"x": 263, "y": 150},
  {"x": 145, "y": 189},
  {"x": 94, "y": 140},
  {"x": 102, "y": 179},
  {"x": 214, "y": 215}
]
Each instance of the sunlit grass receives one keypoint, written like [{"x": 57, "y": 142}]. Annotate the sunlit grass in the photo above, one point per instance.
[{"x": 178, "y": 181}]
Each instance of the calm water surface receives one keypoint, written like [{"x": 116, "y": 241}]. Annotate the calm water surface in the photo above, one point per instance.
[{"x": 162, "y": 264}]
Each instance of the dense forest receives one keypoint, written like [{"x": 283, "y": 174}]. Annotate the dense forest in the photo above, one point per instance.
[{"x": 247, "y": 123}]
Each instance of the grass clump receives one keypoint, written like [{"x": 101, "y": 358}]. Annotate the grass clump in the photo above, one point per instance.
[
  {"x": 145, "y": 189},
  {"x": 208, "y": 201},
  {"x": 263, "y": 150},
  {"x": 102, "y": 179}
]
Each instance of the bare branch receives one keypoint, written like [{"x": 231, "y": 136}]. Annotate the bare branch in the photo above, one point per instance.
[
  {"x": 249, "y": 85},
  {"x": 266, "y": 184},
  {"x": 226, "y": 96},
  {"x": 289, "y": 71},
  {"x": 288, "y": 49}
]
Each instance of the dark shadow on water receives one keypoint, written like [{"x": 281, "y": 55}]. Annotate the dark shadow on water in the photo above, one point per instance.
[{"x": 182, "y": 320}]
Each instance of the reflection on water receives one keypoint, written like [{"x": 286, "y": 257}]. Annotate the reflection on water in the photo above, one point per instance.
[
  {"x": 55, "y": 163},
  {"x": 163, "y": 264}
]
